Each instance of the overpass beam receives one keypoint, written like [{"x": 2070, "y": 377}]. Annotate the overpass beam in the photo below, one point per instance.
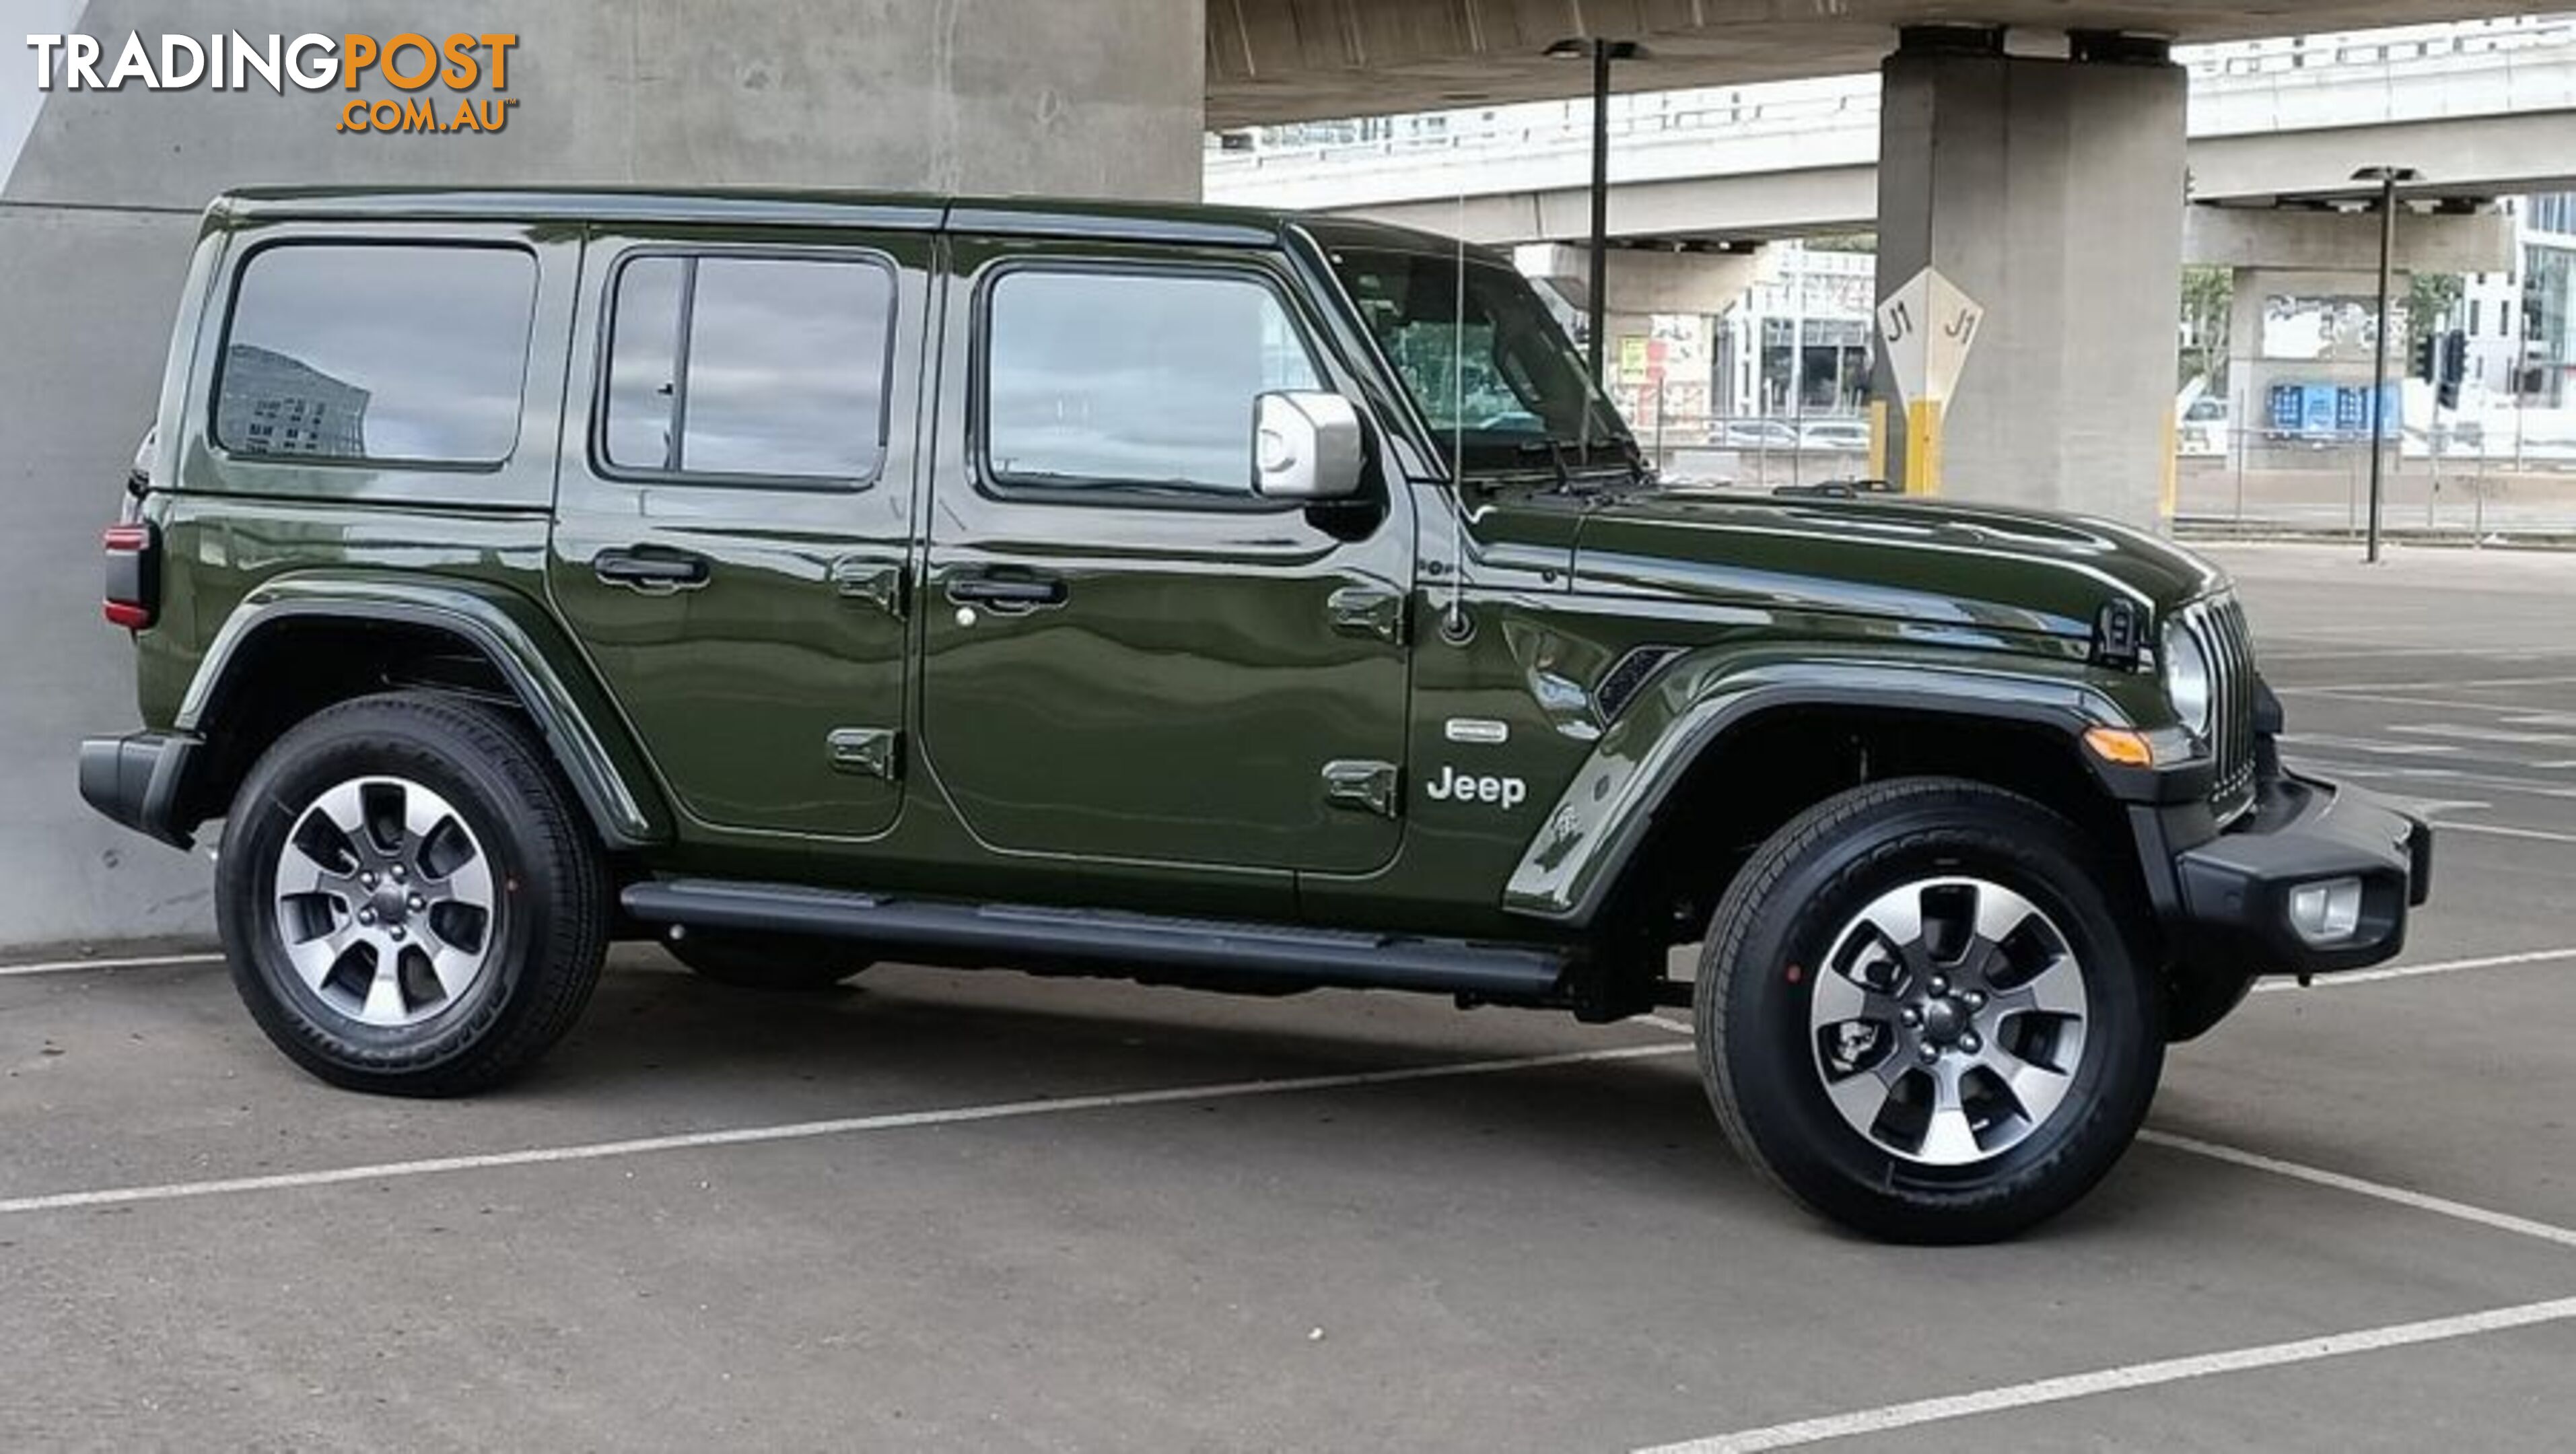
[{"x": 2050, "y": 190}]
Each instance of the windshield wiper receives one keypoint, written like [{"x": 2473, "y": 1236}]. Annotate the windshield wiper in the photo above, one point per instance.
[
  {"x": 1553, "y": 447},
  {"x": 1630, "y": 459}
]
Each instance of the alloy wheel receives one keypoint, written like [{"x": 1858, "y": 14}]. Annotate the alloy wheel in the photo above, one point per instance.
[
  {"x": 385, "y": 902},
  {"x": 1948, "y": 1020}
]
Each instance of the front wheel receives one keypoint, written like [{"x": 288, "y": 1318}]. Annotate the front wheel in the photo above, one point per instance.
[{"x": 1918, "y": 1013}]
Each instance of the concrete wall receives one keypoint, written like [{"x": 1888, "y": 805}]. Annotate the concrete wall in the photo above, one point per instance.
[
  {"x": 2051, "y": 192},
  {"x": 97, "y": 206}
]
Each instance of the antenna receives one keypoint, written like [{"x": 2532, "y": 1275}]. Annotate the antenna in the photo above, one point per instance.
[{"x": 1455, "y": 628}]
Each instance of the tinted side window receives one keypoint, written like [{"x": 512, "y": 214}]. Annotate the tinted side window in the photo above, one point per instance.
[
  {"x": 393, "y": 353},
  {"x": 1126, "y": 381},
  {"x": 749, "y": 366}
]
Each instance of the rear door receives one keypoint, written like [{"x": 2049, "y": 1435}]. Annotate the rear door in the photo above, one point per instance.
[
  {"x": 1129, "y": 658},
  {"x": 732, "y": 534}
]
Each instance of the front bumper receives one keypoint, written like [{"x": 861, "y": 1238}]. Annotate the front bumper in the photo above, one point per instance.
[
  {"x": 2231, "y": 893},
  {"x": 136, "y": 779}
]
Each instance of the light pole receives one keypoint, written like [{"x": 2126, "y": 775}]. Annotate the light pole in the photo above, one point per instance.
[
  {"x": 1602, "y": 53},
  {"x": 2387, "y": 178}
]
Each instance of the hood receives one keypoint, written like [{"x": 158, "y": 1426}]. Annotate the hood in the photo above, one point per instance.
[{"x": 1914, "y": 560}]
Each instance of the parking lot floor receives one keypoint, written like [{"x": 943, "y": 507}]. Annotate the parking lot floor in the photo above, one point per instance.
[{"x": 985, "y": 1211}]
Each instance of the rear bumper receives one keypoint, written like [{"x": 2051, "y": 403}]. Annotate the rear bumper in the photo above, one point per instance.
[
  {"x": 135, "y": 780},
  {"x": 2231, "y": 907}
]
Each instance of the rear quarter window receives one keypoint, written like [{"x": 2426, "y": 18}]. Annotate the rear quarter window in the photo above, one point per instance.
[{"x": 382, "y": 353}]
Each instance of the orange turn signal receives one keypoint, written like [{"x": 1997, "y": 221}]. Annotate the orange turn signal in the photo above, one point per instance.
[{"x": 2120, "y": 746}]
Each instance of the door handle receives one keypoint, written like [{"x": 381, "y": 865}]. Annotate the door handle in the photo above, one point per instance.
[
  {"x": 654, "y": 572},
  {"x": 1007, "y": 593}
]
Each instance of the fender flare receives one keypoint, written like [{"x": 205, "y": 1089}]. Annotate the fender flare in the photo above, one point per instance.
[
  {"x": 504, "y": 627},
  {"x": 1598, "y": 823}
]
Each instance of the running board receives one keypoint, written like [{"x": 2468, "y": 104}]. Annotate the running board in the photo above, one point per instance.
[{"x": 1268, "y": 956}]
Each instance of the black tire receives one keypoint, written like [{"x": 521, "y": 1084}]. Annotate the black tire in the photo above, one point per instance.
[
  {"x": 771, "y": 963},
  {"x": 541, "y": 944},
  {"x": 1762, "y": 1057}
]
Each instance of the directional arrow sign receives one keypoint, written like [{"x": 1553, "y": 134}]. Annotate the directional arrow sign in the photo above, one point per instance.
[{"x": 1928, "y": 326}]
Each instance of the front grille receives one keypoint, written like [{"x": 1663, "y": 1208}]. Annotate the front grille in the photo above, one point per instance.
[{"x": 2218, "y": 624}]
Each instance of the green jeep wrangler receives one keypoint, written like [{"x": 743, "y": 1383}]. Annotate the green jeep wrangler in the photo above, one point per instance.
[{"x": 1218, "y": 598}]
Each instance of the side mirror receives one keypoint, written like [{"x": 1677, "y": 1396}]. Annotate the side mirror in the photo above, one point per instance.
[{"x": 1305, "y": 446}]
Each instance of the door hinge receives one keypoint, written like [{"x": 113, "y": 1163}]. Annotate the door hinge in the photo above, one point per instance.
[
  {"x": 1368, "y": 611},
  {"x": 865, "y": 751},
  {"x": 1362, "y": 787},
  {"x": 879, "y": 583}
]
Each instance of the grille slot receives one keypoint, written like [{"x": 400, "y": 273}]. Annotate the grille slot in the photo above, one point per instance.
[{"x": 2218, "y": 625}]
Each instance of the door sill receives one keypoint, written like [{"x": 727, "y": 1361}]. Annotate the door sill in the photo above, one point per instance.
[{"x": 1277, "y": 958}]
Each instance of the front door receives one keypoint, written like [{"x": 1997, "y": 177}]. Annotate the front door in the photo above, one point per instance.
[
  {"x": 1130, "y": 657},
  {"x": 731, "y": 538}
]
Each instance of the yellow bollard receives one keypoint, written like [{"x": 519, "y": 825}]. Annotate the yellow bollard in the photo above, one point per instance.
[
  {"x": 1923, "y": 448},
  {"x": 2171, "y": 500}
]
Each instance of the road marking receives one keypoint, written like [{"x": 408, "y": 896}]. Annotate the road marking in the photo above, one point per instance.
[
  {"x": 2125, "y": 1377},
  {"x": 2357, "y": 651},
  {"x": 2377, "y": 1190},
  {"x": 2304, "y": 740},
  {"x": 2496, "y": 736},
  {"x": 2418, "y": 971},
  {"x": 2339, "y": 688},
  {"x": 811, "y": 1130},
  {"x": 2532, "y": 787},
  {"x": 75, "y": 966},
  {"x": 1667, "y": 1022},
  {"x": 2500, "y": 830}
]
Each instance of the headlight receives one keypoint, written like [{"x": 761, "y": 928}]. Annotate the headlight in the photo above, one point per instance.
[{"x": 2187, "y": 684}]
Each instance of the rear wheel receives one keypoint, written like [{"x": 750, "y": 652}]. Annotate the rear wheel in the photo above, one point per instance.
[
  {"x": 1919, "y": 1014},
  {"x": 410, "y": 900},
  {"x": 770, "y": 962}
]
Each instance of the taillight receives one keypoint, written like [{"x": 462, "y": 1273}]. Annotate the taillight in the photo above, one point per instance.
[{"x": 133, "y": 574}]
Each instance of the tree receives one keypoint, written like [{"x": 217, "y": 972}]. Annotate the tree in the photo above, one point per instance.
[
  {"x": 2430, "y": 299},
  {"x": 2208, "y": 304}
]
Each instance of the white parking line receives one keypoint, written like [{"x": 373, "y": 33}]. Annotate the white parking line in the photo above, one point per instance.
[
  {"x": 2357, "y": 652},
  {"x": 2127, "y": 1376},
  {"x": 2502, "y": 830},
  {"x": 2418, "y": 971},
  {"x": 2337, "y": 689},
  {"x": 2377, "y": 1190},
  {"x": 2308, "y": 741},
  {"x": 74, "y": 966},
  {"x": 2484, "y": 736},
  {"x": 809, "y": 1130},
  {"x": 2175, "y": 1370}
]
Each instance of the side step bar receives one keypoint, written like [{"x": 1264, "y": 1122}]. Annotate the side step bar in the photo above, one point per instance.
[{"x": 1271, "y": 956}]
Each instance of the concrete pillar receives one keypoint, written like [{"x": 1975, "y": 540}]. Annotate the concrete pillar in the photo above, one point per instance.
[
  {"x": 2328, "y": 264},
  {"x": 99, "y": 193},
  {"x": 2050, "y": 190}
]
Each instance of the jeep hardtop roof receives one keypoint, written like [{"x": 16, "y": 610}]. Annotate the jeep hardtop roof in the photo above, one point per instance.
[{"x": 1179, "y": 222}]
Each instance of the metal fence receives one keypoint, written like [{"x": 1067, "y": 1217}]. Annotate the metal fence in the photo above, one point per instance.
[{"x": 2479, "y": 487}]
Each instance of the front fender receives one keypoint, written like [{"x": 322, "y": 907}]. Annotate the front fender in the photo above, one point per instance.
[
  {"x": 510, "y": 630},
  {"x": 1588, "y": 837}
]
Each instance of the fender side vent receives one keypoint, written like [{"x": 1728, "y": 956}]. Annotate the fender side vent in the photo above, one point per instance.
[{"x": 1627, "y": 677}]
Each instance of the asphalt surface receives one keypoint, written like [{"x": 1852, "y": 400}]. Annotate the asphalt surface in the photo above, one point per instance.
[{"x": 959, "y": 1211}]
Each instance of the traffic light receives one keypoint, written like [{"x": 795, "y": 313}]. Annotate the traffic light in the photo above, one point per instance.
[
  {"x": 2426, "y": 348},
  {"x": 2455, "y": 367}
]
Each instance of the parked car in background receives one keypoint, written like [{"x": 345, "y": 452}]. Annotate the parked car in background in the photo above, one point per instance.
[
  {"x": 1841, "y": 436},
  {"x": 1755, "y": 434}
]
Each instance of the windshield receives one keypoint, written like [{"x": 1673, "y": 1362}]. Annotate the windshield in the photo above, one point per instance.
[{"x": 1482, "y": 358}]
